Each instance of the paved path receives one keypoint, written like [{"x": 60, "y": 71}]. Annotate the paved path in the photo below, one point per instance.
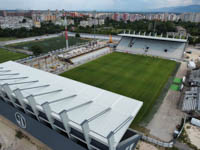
[
  {"x": 182, "y": 146},
  {"x": 28, "y": 39},
  {"x": 168, "y": 115}
]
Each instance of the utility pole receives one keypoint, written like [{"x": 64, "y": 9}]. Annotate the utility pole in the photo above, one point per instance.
[{"x": 66, "y": 34}]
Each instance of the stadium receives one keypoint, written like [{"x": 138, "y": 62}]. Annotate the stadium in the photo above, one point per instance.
[{"x": 95, "y": 105}]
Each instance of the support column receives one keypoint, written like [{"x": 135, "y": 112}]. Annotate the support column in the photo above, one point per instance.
[
  {"x": 1, "y": 92},
  {"x": 20, "y": 98},
  {"x": 110, "y": 138},
  {"x": 9, "y": 93},
  {"x": 85, "y": 128},
  {"x": 150, "y": 34},
  {"x": 33, "y": 104},
  {"x": 65, "y": 119},
  {"x": 47, "y": 111}
]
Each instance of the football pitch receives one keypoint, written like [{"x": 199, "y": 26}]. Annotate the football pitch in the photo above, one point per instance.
[
  {"x": 49, "y": 44},
  {"x": 135, "y": 76},
  {"x": 6, "y": 55}
]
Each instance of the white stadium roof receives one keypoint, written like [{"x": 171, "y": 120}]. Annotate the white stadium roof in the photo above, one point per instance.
[
  {"x": 154, "y": 37},
  {"x": 105, "y": 111}
]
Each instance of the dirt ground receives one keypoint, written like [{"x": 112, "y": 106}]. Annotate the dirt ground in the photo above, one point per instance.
[
  {"x": 145, "y": 146},
  {"x": 9, "y": 141},
  {"x": 193, "y": 133},
  {"x": 168, "y": 116}
]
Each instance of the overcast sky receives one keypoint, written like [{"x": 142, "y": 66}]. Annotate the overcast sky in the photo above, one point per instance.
[{"x": 124, "y": 5}]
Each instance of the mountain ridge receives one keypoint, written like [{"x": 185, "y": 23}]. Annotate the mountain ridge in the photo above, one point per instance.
[{"x": 179, "y": 9}]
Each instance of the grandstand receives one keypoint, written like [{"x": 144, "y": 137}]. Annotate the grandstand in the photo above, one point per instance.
[
  {"x": 84, "y": 53},
  {"x": 170, "y": 48},
  {"x": 191, "y": 100},
  {"x": 41, "y": 101}
]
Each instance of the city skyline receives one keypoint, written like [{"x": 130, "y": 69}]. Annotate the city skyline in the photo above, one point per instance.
[{"x": 115, "y": 5}]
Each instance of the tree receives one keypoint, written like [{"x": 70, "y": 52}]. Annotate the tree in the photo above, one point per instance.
[
  {"x": 77, "y": 35},
  {"x": 197, "y": 41},
  {"x": 36, "y": 49},
  {"x": 191, "y": 41},
  {"x": 24, "y": 20}
]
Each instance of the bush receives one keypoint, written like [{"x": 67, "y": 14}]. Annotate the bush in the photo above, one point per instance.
[
  {"x": 36, "y": 49},
  {"x": 77, "y": 35},
  {"x": 19, "y": 134}
]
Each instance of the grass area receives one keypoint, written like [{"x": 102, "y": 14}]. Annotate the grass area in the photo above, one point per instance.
[
  {"x": 6, "y": 55},
  {"x": 135, "y": 76},
  {"x": 49, "y": 44},
  {"x": 175, "y": 87},
  {"x": 2, "y": 39},
  {"x": 178, "y": 80}
]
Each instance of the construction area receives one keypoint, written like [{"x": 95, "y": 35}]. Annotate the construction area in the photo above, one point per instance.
[{"x": 64, "y": 59}]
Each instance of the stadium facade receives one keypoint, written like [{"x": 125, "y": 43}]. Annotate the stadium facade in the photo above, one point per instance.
[
  {"x": 170, "y": 48},
  {"x": 65, "y": 114}
]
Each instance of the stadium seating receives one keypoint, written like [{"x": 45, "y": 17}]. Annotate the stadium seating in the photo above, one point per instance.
[
  {"x": 194, "y": 78},
  {"x": 167, "y": 49},
  {"x": 191, "y": 100}
]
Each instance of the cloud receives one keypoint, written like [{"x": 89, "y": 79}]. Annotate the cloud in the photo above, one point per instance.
[{"x": 125, "y": 5}]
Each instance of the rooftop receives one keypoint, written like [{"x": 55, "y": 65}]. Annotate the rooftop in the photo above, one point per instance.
[
  {"x": 105, "y": 111},
  {"x": 153, "y": 37}
]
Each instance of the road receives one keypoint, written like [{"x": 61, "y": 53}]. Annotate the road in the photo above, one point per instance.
[
  {"x": 83, "y": 35},
  {"x": 28, "y": 39},
  {"x": 182, "y": 146}
]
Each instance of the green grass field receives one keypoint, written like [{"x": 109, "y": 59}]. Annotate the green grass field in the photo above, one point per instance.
[
  {"x": 8, "y": 55},
  {"x": 2, "y": 39},
  {"x": 49, "y": 44},
  {"x": 135, "y": 76}
]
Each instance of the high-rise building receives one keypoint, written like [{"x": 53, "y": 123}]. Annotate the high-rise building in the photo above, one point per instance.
[
  {"x": 125, "y": 17},
  {"x": 116, "y": 17}
]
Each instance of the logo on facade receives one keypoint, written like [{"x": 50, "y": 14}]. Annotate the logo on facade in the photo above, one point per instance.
[{"x": 21, "y": 121}]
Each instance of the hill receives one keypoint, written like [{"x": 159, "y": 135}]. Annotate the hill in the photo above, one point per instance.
[{"x": 179, "y": 9}]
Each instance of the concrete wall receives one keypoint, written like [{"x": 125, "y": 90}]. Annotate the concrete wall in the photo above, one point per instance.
[{"x": 46, "y": 135}]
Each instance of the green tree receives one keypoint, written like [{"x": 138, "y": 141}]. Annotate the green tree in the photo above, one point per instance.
[
  {"x": 191, "y": 40},
  {"x": 197, "y": 41},
  {"x": 24, "y": 20},
  {"x": 77, "y": 35},
  {"x": 36, "y": 49}
]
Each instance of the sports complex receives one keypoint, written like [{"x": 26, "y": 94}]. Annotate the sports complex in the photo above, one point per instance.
[{"x": 99, "y": 99}]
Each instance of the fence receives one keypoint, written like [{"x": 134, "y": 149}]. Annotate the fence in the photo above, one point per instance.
[{"x": 156, "y": 142}]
